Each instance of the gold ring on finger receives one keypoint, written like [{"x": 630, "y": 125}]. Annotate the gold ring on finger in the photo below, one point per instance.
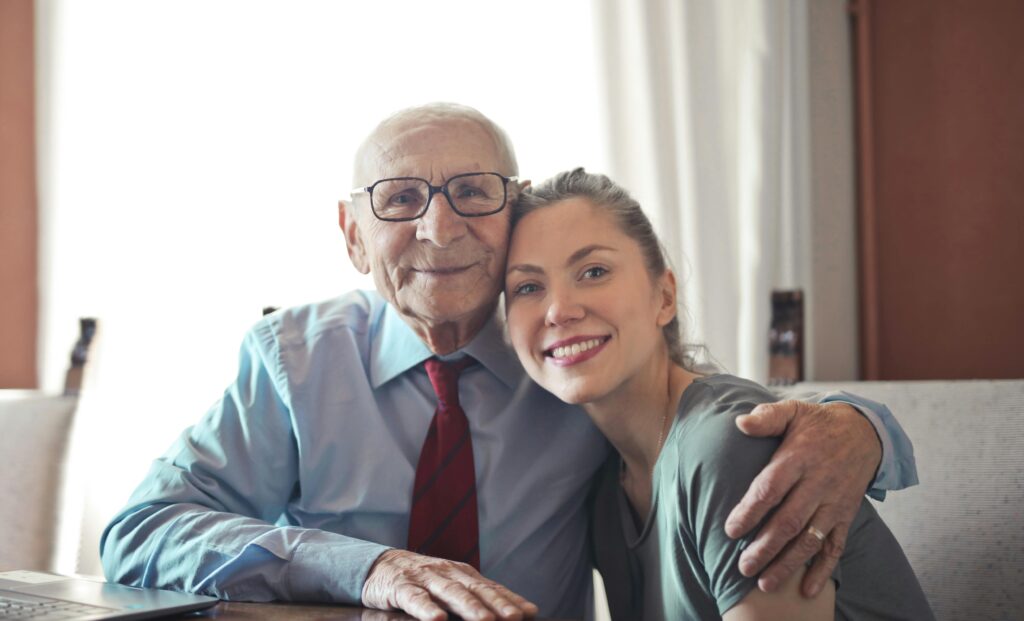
[{"x": 817, "y": 534}]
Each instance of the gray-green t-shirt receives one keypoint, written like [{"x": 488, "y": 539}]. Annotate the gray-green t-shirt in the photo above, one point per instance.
[{"x": 681, "y": 564}]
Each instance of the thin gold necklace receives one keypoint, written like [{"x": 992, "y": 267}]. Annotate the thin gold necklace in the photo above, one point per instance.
[{"x": 661, "y": 444}]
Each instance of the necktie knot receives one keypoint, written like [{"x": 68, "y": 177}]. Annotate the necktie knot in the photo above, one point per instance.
[{"x": 444, "y": 377}]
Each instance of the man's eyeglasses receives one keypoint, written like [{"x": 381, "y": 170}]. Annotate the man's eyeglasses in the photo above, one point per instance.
[{"x": 470, "y": 195}]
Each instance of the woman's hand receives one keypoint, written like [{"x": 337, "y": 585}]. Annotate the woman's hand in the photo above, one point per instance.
[{"x": 827, "y": 459}]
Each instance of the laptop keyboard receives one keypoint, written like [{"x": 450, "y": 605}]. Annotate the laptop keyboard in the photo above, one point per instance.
[{"x": 45, "y": 609}]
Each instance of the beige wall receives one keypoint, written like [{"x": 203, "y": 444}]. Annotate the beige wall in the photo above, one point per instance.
[
  {"x": 832, "y": 308},
  {"x": 18, "y": 222}
]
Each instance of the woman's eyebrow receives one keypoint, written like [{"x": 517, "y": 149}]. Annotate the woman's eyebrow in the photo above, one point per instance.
[
  {"x": 525, "y": 267},
  {"x": 584, "y": 251},
  {"x": 575, "y": 257}
]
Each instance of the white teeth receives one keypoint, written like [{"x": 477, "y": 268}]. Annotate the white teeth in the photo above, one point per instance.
[{"x": 575, "y": 348}]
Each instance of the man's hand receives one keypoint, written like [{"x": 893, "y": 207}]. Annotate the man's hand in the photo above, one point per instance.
[
  {"x": 427, "y": 587},
  {"x": 822, "y": 469}
]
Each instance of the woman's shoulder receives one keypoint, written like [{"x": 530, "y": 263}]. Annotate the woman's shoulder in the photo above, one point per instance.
[
  {"x": 726, "y": 393},
  {"x": 706, "y": 433},
  {"x": 714, "y": 401},
  {"x": 704, "y": 472}
]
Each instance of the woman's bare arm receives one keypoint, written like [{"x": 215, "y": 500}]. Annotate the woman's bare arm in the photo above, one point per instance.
[{"x": 786, "y": 603}]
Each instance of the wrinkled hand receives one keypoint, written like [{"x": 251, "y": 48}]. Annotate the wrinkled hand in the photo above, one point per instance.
[
  {"x": 427, "y": 587},
  {"x": 826, "y": 461}
]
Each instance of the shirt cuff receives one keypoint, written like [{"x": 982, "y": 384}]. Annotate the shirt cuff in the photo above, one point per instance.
[
  {"x": 897, "y": 468},
  {"x": 332, "y": 571}
]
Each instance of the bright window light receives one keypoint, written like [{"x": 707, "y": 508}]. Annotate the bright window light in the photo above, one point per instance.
[{"x": 192, "y": 154}]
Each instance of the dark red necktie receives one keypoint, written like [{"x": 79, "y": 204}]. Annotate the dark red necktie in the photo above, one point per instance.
[{"x": 443, "y": 522}]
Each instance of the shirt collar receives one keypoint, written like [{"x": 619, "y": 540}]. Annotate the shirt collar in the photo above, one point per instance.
[{"x": 396, "y": 348}]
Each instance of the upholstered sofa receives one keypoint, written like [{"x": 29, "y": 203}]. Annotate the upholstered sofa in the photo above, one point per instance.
[{"x": 963, "y": 527}]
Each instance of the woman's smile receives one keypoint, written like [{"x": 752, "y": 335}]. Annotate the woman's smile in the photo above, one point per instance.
[{"x": 575, "y": 350}]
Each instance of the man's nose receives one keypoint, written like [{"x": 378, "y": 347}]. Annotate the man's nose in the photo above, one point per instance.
[
  {"x": 440, "y": 225},
  {"x": 564, "y": 308}
]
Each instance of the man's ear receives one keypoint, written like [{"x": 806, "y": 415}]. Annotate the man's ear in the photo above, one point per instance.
[
  {"x": 518, "y": 191},
  {"x": 667, "y": 296},
  {"x": 353, "y": 237},
  {"x": 523, "y": 184}
]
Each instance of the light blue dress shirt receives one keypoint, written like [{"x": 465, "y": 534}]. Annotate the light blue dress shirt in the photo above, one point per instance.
[{"x": 300, "y": 476}]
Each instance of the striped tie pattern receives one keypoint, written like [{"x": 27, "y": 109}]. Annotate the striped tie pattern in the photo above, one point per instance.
[{"x": 443, "y": 521}]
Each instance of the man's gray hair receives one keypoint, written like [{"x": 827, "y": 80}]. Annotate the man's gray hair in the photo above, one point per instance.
[
  {"x": 443, "y": 111},
  {"x": 606, "y": 194}
]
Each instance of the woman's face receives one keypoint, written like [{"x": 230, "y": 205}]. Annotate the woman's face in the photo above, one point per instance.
[{"x": 583, "y": 312}]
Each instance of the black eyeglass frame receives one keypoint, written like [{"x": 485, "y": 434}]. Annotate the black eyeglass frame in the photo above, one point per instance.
[{"x": 438, "y": 189}]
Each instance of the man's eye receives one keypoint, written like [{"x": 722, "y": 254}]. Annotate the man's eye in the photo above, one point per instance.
[
  {"x": 402, "y": 198},
  {"x": 594, "y": 272},
  {"x": 468, "y": 192}
]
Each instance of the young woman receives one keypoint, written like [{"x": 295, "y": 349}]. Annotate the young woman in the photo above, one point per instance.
[{"x": 592, "y": 315}]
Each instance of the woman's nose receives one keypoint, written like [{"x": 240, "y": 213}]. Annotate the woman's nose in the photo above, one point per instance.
[{"x": 564, "y": 309}]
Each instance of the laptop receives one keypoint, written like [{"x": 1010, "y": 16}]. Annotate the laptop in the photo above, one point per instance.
[{"x": 45, "y": 596}]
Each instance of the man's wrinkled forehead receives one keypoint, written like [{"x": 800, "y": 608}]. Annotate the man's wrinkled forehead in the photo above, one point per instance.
[{"x": 435, "y": 141}]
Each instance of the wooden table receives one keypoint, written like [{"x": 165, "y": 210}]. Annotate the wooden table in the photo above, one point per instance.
[{"x": 232, "y": 611}]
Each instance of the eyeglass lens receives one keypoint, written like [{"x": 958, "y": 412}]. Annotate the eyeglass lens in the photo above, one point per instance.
[{"x": 474, "y": 194}]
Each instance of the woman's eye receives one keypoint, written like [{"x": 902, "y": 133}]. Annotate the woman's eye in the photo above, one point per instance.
[
  {"x": 594, "y": 272},
  {"x": 525, "y": 289}
]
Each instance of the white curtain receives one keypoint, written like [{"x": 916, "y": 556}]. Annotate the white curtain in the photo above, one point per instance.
[{"x": 707, "y": 105}]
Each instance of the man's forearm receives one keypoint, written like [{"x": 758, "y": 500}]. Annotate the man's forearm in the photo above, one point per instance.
[
  {"x": 193, "y": 548},
  {"x": 898, "y": 469}
]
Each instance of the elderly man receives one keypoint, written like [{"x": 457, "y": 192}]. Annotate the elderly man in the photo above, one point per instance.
[{"x": 348, "y": 463}]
